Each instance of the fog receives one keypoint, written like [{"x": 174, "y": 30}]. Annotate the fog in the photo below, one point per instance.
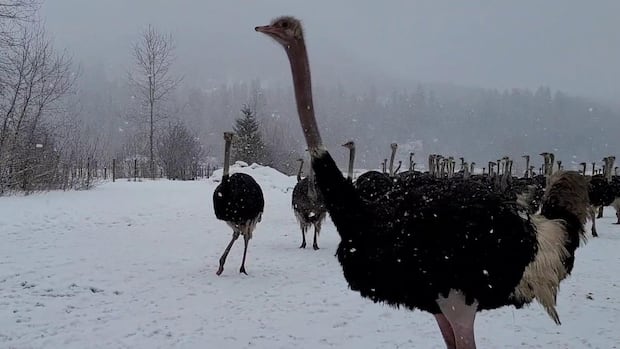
[
  {"x": 481, "y": 80},
  {"x": 571, "y": 45}
]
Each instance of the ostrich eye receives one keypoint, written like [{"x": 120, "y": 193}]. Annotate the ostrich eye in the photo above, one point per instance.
[{"x": 284, "y": 24}]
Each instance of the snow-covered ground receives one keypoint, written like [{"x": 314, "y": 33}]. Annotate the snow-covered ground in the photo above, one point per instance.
[{"x": 132, "y": 265}]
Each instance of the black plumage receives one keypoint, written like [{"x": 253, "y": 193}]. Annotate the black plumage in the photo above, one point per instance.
[
  {"x": 372, "y": 185},
  {"x": 237, "y": 200}
]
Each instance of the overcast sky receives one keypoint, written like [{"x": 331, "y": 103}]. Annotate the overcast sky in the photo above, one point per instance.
[{"x": 572, "y": 45}]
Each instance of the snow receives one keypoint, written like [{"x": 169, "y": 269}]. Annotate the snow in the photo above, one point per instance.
[{"x": 132, "y": 265}]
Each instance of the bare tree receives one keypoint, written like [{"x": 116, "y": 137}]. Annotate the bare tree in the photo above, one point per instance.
[
  {"x": 153, "y": 56},
  {"x": 13, "y": 14},
  {"x": 180, "y": 152},
  {"x": 35, "y": 79}
]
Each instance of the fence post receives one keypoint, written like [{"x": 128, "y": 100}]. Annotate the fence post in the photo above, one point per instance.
[
  {"x": 135, "y": 170},
  {"x": 87, "y": 173},
  {"x": 113, "y": 170}
]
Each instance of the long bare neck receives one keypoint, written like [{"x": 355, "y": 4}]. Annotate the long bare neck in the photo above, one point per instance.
[
  {"x": 527, "y": 166},
  {"x": 351, "y": 162},
  {"x": 611, "y": 166},
  {"x": 392, "y": 161},
  {"x": 226, "y": 159},
  {"x": 311, "y": 183},
  {"x": 300, "y": 69},
  {"x": 301, "y": 166}
]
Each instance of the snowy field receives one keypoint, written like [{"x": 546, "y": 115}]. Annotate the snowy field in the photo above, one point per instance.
[{"x": 132, "y": 265}]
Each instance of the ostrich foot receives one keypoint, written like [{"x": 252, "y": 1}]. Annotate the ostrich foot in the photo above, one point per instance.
[
  {"x": 219, "y": 271},
  {"x": 303, "y": 245},
  {"x": 594, "y": 233},
  {"x": 242, "y": 270},
  {"x": 315, "y": 247}
]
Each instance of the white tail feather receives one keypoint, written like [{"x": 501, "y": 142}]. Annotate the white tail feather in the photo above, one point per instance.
[{"x": 541, "y": 278}]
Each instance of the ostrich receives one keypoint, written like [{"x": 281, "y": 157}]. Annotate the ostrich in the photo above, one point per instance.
[
  {"x": 237, "y": 200},
  {"x": 426, "y": 245},
  {"x": 601, "y": 193},
  {"x": 308, "y": 207}
]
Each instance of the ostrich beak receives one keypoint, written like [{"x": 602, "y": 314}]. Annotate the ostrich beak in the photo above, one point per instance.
[{"x": 266, "y": 29}]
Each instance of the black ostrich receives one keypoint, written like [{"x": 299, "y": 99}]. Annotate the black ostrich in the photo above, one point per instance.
[
  {"x": 238, "y": 201},
  {"x": 308, "y": 206},
  {"x": 450, "y": 247},
  {"x": 603, "y": 191}
]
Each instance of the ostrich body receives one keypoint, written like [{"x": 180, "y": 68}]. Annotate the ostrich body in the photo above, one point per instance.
[
  {"x": 237, "y": 200},
  {"x": 450, "y": 247},
  {"x": 372, "y": 185},
  {"x": 308, "y": 206}
]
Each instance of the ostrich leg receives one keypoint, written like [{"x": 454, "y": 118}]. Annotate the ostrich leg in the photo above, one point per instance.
[
  {"x": 303, "y": 237},
  {"x": 226, "y": 251},
  {"x": 446, "y": 331},
  {"x": 246, "y": 240},
  {"x": 600, "y": 212},
  {"x": 616, "y": 206},
  {"x": 593, "y": 218},
  {"x": 317, "y": 228},
  {"x": 461, "y": 317}
]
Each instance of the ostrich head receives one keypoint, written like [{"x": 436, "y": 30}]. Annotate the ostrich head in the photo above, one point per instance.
[
  {"x": 285, "y": 30},
  {"x": 349, "y": 145},
  {"x": 393, "y": 146},
  {"x": 228, "y": 136}
]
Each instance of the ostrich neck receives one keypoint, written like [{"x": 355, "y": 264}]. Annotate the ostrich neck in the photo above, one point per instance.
[
  {"x": 351, "y": 162},
  {"x": 392, "y": 161},
  {"x": 301, "y": 166},
  {"x": 226, "y": 159},
  {"x": 527, "y": 167},
  {"x": 311, "y": 184},
  {"x": 300, "y": 69}
]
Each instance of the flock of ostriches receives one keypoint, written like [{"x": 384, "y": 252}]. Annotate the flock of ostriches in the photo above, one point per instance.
[{"x": 449, "y": 242}]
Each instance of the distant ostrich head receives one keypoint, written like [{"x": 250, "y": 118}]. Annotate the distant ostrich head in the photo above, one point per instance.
[
  {"x": 349, "y": 145},
  {"x": 393, "y": 146},
  {"x": 228, "y": 136},
  {"x": 285, "y": 30}
]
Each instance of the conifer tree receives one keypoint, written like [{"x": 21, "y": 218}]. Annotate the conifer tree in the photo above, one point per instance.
[{"x": 248, "y": 145}]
